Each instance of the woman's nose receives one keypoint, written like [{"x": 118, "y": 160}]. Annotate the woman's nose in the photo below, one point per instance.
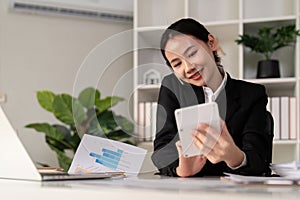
[{"x": 188, "y": 67}]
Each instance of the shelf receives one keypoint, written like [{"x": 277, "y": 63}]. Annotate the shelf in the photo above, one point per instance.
[
  {"x": 278, "y": 86},
  {"x": 284, "y": 142},
  {"x": 203, "y": 14},
  {"x": 148, "y": 93},
  {"x": 268, "y": 8},
  {"x": 152, "y": 28},
  {"x": 269, "y": 19},
  {"x": 221, "y": 23},
  {"x": 150, "y": 59},
  {"x": 228, "y": 20},
  {"x": 278, "y": 82},
  {"x": 146, "y": 145},
  {"x": 157, "y": 12},
  {"x": 148, "y": 87},
  {"x": 286, "y": 55}
]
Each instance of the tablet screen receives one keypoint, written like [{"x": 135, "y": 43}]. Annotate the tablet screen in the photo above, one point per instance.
[{"x": 187, "y": 120}]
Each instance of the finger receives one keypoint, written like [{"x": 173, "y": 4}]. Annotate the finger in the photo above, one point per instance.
[
  {"x": 202, "y": 147},
  {"x": 205, "y": 137},
  {"x": 178, "y": 144},
  {"x": 179, "y": 148},
  {"x": 202, "y": 126},
  {"x": 209, "y": 131},
  {"x": 213, "y": 133},
  {"x": 223, "y": 127},
  {"x": 203, "y": 157}
]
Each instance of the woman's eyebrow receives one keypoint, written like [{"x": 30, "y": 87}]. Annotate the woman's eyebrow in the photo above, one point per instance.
[
  {"x": 187, "y": 49},
  {"x": 184, "y": 53}
]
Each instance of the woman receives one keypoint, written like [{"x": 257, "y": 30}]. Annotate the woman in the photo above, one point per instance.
[{"x": 191, "y": 52}]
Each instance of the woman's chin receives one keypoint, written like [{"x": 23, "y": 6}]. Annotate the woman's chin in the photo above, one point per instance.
[{"x": 197, "y": 82}]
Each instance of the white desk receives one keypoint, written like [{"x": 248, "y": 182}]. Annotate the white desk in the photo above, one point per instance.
[{"x": 143, "y": 188}]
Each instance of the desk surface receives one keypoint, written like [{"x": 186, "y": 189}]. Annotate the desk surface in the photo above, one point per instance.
[{"x": 143, "y": 188}]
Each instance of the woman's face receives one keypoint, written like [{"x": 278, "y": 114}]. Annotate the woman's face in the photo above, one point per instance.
[{"x": 192, "y": 59}]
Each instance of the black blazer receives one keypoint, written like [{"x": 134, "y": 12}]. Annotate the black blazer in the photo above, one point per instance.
[{"x": 241, "y": 104}]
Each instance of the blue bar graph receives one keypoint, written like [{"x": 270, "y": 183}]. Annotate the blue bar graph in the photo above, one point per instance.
[{"x": 108, "y": 158}]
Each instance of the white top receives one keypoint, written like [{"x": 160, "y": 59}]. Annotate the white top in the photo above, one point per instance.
[{"x": 211, "y": 96}]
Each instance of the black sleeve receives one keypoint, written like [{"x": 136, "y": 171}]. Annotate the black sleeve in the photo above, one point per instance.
[
  {"x": 254, "y": 139},
  {"x": 165, "y": 156}
]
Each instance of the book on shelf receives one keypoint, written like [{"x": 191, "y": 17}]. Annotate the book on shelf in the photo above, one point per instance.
[
  {"x": 275, "y": 111},
  {"x": 284, "y": 112},
  {"x": 293, "y": 118},
  {"x": 147, "y": 121},
  {"x": 284, "y": 118}
]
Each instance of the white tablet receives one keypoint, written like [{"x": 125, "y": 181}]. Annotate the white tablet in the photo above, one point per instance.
[{"x": 187, "y": 120}]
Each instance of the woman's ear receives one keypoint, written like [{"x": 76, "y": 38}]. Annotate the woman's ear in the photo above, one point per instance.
[{"x": 212, "y": 42}]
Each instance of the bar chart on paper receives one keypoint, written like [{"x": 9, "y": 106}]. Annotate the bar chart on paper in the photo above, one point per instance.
[
  {"x": 96, "y": 154},
  {"x": 110, "y": 158}
]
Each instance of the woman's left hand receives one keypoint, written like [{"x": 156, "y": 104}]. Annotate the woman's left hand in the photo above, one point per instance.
[{"x": 218, "y": 147}]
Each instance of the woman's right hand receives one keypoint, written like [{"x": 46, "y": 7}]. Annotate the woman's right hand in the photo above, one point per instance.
[{"x": 189, "y": 166}]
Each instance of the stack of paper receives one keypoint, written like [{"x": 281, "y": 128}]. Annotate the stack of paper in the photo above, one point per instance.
[
  {"x": 289, "y": 174},
  {"x": 260, "y": 180},
  {"x": 288, "y": 170}
]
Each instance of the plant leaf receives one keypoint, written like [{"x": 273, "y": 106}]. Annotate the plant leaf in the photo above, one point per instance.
[
  {"x": 63, "y": 160},
  {"x": 68, "y": 110},
  {"x": 75, "y": 141},
  {"x": 58, "y": 144},
  {"x": 53, "y": 135},
  {"x": 45, "y": 99},
  {"x": 107, "y": 122},
  {"x": 88, "y": 97},
  {"x": 62, "y": 106},
  {"x": 79, "y": 113},
  {"x": 269, "y": 39},
  {"x": 48, "y": 130},
  {"x": 106, "y": 103},
  {"x": 64, "y": 130},
  {"x": 125, "y": 124},
  {"x": 95, "y": 128},
  {"x": 117, "y": 135}
]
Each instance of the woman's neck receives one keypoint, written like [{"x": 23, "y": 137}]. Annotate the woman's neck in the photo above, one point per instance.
[{"x": 216, "y": 82}]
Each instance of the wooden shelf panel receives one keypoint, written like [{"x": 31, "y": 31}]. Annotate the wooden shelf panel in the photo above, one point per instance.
[
  {"x": 203, "y": 14},
  {"x": 268, "y": 8}
]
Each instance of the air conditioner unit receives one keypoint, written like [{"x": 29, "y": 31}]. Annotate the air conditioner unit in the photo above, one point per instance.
[{"x": 114, "y": 10}]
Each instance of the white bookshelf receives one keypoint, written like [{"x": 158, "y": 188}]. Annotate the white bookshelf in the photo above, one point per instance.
[{"x": 226, "y": 19}]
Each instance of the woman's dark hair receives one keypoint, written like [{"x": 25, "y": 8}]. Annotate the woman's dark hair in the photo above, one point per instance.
[{"x": 186, "y": 26}]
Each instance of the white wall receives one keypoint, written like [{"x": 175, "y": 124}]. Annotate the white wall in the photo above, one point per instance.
[{"x": 44, "y": 52}]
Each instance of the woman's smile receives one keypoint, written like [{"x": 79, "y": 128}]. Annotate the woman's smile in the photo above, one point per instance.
[{"x": 197, "y": 75}]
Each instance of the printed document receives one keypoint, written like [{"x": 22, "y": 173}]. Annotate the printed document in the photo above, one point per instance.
[{"x": 96, "y": 154}]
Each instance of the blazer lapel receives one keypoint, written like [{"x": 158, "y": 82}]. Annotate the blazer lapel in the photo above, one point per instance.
[{"x": 232, "y": 96}]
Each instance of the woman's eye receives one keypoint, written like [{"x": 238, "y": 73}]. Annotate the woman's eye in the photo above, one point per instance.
[
  {"x": 193, "y": 53},
  {"x": 177, "y": 64}
]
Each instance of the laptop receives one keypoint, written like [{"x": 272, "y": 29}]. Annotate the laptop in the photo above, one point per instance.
[{"x": 15, "y": 163}]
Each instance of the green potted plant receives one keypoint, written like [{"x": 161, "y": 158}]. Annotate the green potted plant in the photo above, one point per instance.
[
  {"x": 87, "y": 114},
  {"x": 266, "y": 42}
]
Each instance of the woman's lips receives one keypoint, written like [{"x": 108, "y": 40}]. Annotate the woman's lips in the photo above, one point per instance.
[{"x": 196, "y": 76}]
